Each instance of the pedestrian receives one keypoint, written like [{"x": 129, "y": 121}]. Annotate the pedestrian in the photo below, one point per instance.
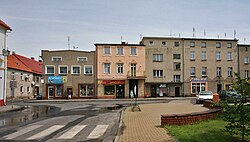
[{"x": 70, "y": 94}]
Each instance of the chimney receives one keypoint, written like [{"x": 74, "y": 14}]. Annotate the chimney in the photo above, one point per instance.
[
  {"x": 123, "y": 42},
  {"x": 32, "y": 58}
]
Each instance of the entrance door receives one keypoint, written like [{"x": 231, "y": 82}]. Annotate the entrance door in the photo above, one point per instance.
[
  {"x": 219, "y": 87},
  {"x": 153, "y": 90},
  {"x": 120, "y": 92},
  {"x": 50, "y": 92},
  {"x": 133, "y": 86},
  {"x": 177, "y": 91}
]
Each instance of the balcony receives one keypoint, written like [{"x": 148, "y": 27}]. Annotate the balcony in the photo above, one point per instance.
[{"x": 136, "y": 75}]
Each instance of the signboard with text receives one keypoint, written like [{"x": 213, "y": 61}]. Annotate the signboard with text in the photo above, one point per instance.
[{"x": 55, "y": 80}]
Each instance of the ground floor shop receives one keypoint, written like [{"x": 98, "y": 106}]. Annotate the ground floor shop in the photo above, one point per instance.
[{"x": 163, "y": 89}]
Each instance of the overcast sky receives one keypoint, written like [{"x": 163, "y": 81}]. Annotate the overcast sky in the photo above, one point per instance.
[{"x": 45, "y": 24}]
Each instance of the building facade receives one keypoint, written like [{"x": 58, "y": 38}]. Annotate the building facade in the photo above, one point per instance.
[
  {"x": 244, "y": 55},
  {"x": 23, "y": 77},
  {"x": 68, "y": 71},
  {"x": 186, "y": 66},
  {"x": 120, "y": 70},
  {"x": 3, "y": 61}
]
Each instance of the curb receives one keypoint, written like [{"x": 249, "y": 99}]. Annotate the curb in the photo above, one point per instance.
[{"x": 117, "y": 138}]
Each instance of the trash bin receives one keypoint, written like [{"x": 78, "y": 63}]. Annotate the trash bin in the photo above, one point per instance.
[{"x": 216, "y": 97}]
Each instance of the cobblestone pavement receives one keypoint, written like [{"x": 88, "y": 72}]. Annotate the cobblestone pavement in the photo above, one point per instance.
[{"x": 145, "y": 126}]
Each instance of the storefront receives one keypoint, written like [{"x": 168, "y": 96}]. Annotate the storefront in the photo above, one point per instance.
[
  {"x": 55, "y": 87},
  {"x": 197, "y": 85},
  {"x": 86, "y": 90},
  {"x": 113, "y": 88},
  {"x": 157, "y": 90}
]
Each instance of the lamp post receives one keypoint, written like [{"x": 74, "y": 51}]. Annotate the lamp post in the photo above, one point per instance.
[{"x": 5, "y": 54}]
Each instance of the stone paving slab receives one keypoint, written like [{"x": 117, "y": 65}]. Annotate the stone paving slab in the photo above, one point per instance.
[{"x": 145, "y": 126}]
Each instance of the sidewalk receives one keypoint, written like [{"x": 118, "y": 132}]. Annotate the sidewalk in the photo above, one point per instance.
[
  {"x": 145, "y": 126},
  {"x": 8, "y": 108}
]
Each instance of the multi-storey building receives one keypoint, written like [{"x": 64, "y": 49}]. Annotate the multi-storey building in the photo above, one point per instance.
[
  {"x": 244, "y": 55},
  {"x": 186, "y": 66},
  {"x": 120, "y": 70},
  {"x": 68, "y": 71},
  {"x": 26, "y": 74},
  {"x": 3, "y": 61}
]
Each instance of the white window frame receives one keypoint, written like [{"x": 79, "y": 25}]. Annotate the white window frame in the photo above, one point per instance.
[
  {"x": 229, "y": 45},
  {"x": 246, "y": 73},
  {"x": 13, "y": 75},
  {"x": 119, "y": 52},
  {"x": 192, "y": 44},
  {"x": 119, "y": 68},
  {"x": 56, "y": 59},
  {"x": 151, "y": 43},
  {"x": 107, "y": 69},
  {"x": 21, "y": 89},
  {"x": 85, "y": 69},
  {"x": 177, "y": 79},
  {"x": 157, "y": 57},
  {"x": 192, "y": 71},
  {"x": 82, "y": 59},
  {"x": 59, "y": 69},
  {"x": 218, "y": 44},
  {"x": 230, "y": 71},
  {"x": 203, "y": 55},
  {"x": 46, "y": 69},
  {"x": 22, "y": 76},
  {"x": 218, "y": 71},
  {"x": 203, "y": 44},
  {"x": 158, "y": 73},
  {"x": 218, "y": 55},
  {"x": 72, "y": 71},
  {"x": 177, "y": 66},
  {"x": 133, "y": 51},
  {"x": 192, "y": 55},
  {"x": 176, "y": 44},
  {"x": 229, "y": 56},
  {"x": 246, "y": 60},
  {"x": 106, "y": 51},
  {"x": 204, "y": 71}
]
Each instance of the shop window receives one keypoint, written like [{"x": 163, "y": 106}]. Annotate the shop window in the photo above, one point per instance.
[
  {"x": 197, "y": 87},
  {"x": 59, "y": 90},
  {"x": 86, "y": 90},
  {"x": 109, "y": 90}
]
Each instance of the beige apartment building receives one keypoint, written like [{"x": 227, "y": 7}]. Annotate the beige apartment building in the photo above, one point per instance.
[
  {"x": 120, "y": 70},
  {"x": 244, "y": 55},
  {"x": 186, "y": 66},
  {"x": 68, "y": 71}
]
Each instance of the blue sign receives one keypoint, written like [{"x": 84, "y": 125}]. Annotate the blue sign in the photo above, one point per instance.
[{"x": 55, "y": 80}]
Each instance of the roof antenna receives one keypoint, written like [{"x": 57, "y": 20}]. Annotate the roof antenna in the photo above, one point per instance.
[{"x": 69, "y": 42}]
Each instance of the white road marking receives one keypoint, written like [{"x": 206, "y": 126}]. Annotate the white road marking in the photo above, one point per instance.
[
  {"x": 98, "y": 131},
  {"x": 21, "y": 132},
  {"x": 72, "y": 132},
  {"x": 45, "y": 132}
]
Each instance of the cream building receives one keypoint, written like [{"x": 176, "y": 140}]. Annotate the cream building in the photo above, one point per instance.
[{"x": 244, "y": 58}]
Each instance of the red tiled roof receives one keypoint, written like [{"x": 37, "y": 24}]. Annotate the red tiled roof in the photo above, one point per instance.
[
  {"x": 5, "y": 25},
  {"x": 19, "y": 62}
]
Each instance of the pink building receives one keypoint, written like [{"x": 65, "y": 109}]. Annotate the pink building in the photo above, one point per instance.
[{"x": 120, "y": 70}]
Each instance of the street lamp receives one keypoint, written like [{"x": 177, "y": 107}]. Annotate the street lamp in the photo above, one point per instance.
[{"x": 5, "y": 54}]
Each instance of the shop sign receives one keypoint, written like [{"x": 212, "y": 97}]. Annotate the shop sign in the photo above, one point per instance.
[
  {"x": 198, "y": 80},
  {"x": 163, "y": 85},
  {"x": 55, "y": 80},
  {"x": 64, "y": 79},
  {"x": 112, "y": 82}
]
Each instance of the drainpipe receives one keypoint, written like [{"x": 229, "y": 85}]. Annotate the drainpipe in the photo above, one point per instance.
[
  {"x": 183, "y": 68},
  {"x": 238, "y": 58}
]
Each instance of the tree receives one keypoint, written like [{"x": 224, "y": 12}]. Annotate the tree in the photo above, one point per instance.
[{"x": 238, "y": 114}]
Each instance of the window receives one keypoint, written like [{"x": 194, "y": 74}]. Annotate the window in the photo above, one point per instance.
[
  {"x": 82, "y": 59},
  {"x": 246, "y": 49},
  {"x": 133, "y": 69},
  {"x": 56, "y": 59},
  {"x": 230, "y": 71},
  {"x": 203, "y": 45},
  {"x": 86, "y": 90},
  {"x": 109, "y": 90},
  {"x": 157, "y": 57},
  {"x": 229, "y": 45},
  {"x": 197, "y": 87},
  {"x": 218, "y": 71},
  {"x": 177, "y": 56},
  {"x": 192, "y": 44},
  {"x": 229, "y": 56},
  {"x": 192, "y": 55},
  {"x": 119, "y": 51},
  {"x": 246, "y": 73},
  {"x": 218, "y": 45},
  {"x": 106, "y": 68},
  {"x": 28, "y": 89},
  {"x": 22, "y": 77},
  {"x": 88, "y": 69},
  {"x": 13, "y": 76},
  {"x": 120, "y": 68},
  {"x": 176, "y": 44},
  {"x": 21, "y": 89},
  {"x": 63, "y": 69},
  {"x": 204, "y": 71},
  {"x": 75, "y": 69},
  {"x": 192, "y": 71},
  {"x": 177, "y": 66},
  {"x": 37, "y": 79},
  {"x": 58, "y": 90},
  {"x": 158, "y": 73},
  {"x": 164, "y": 43},
  {"x": 246, "y": 60},
  {"x": 218, "y": 57},
  {"x": 133, "y": 51},
  {"x": 106, "y": 50},
  {"x": 151, "y": 43},
  {"x": 50, "y": 69},
  {"x": 203, "y": 55},
  {"x": 177, "y": 78}
]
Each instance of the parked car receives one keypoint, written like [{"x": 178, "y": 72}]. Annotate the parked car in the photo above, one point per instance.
[
  {"x": 204, "y": 95},
  {"x": 229, "y": 95}
]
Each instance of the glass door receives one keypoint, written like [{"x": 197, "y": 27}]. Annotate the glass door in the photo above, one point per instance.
[{"x": 50, "y": 92}]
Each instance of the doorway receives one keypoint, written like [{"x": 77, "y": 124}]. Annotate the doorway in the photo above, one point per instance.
[
  {"x": 50, "y": 92},
  {"x": 177, "y": 91},
  {"x": 120, "y": 92},
  {"x": 153, "y": 90},
  {"x": 133, "y": 86},
  {"x": 219, "y": 87}
]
